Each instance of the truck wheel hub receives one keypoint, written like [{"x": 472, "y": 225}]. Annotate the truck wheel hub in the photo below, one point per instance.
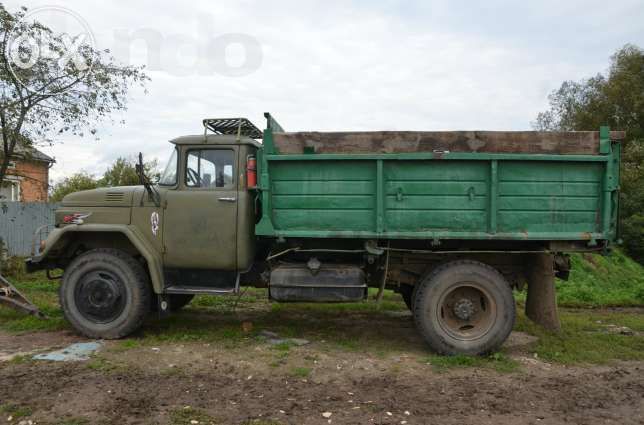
[
  {"x": 102, "y": 294},
  {"x": 464, "y": 309},
  {"x": 100, "y": 297}
]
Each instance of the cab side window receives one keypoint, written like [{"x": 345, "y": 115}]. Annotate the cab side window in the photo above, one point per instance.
[{"x": 210, "y": 168}]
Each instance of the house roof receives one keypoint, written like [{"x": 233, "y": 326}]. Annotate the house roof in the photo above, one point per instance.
[{"x": 26, "y": 151}]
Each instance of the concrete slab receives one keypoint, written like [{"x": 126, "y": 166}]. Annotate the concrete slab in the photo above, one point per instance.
[{"x": 76, "y": 352}]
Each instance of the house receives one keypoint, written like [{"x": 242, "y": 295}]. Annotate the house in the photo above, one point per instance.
[{"x": 27, "y": 177}]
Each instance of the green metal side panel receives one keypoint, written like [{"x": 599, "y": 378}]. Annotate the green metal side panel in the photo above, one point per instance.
[
  {"x": 440, "y": 196},
  {"x": 540, "y": 196},
  {"x": 324, "y": 196},
  {"x": 435, "y": 195}
]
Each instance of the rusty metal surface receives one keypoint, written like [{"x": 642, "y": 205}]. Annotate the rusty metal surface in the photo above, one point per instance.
[{"x": 561, "y": 143}]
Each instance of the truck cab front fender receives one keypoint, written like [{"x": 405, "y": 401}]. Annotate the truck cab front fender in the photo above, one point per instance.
[{"x": 60, "y": 240}]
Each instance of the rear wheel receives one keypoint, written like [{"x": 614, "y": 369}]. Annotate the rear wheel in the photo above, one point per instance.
[
  {"x": 105, "y": 293},
  {"x": 464, "y": 307}
]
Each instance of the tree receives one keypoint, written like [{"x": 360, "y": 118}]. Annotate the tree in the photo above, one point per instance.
[
  {"x": 123, "y": 173},
  {"x": 615, "y": 99},
  {"x": 53, "y": 96},
  {"x": 74, "y": 183}
]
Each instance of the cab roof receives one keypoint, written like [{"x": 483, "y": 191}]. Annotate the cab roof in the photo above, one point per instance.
[{"x": 215, "y": 139}]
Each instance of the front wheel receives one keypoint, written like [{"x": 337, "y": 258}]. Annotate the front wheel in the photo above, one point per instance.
[
  {"x": 105, "y": 293},
  {"x": 464, "y": 307}
]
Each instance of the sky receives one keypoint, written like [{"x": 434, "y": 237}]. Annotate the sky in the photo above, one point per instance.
[{"x": 339, "y": 65}]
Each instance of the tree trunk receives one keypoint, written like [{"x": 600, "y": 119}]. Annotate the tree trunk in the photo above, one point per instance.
[
  {"x": 3, "y": 168},
  {"x": 8, "y": 146},
  {"x": 541, "y": 303}
]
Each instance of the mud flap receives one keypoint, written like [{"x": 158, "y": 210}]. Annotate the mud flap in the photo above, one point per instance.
[
  {"x": 11, "y": 297},
  {"x": 163, "y": 305},
  {"x": 541, "y": 303}
]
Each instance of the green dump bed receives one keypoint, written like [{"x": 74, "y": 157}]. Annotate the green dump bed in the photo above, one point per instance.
[{"x": 441, "y": 185}]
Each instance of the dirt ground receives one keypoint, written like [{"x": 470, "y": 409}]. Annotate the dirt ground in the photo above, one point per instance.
[{"x": 253, "y": 382}]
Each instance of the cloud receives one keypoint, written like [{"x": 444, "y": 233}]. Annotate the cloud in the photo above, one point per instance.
[{"x": 360, "y": 65}]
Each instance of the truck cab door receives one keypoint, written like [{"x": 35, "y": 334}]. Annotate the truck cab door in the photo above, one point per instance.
[{"x": 200, "y": 218}]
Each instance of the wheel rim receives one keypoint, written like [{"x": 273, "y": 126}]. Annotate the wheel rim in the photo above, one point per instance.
[
  {"x": 100, "y": 296},
  {"x": 466, "y": 311}
]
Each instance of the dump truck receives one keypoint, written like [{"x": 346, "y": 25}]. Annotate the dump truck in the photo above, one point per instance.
[{"x": 453, "y": 221}]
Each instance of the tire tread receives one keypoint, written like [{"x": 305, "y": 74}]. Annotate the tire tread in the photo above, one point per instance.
[
  {"x": 141, "y": 280},
  {"x": 425, "y": 285}
]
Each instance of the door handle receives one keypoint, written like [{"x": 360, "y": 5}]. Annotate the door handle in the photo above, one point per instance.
[{"x": 228, "y": 199}]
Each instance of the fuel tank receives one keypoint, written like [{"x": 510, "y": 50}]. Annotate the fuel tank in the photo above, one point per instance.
[{"x": 328, "y": 283}]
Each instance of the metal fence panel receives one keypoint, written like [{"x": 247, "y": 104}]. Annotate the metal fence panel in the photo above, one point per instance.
[{"x": 19, "y": 221}]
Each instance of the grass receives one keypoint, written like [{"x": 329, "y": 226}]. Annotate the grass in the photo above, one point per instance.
[
  {"x": 212, "y": 319},
  {"x": 125, "y": 345},
  {"x": 595, "y": 281},
  {"x": 301, "y": 372},
  {"x": 189, "y": 327},
  {"x": 283, "y": 346},
  {"x": 101, "y": 364},
  {"x": 188, "y": 415},
  {"x": 585, "y": 338},
  {"x": 73, "y": 421},
  {"x": 598, "y": 281},
  {"x": 248, "y": 297},
  {"x": 42, "y": 292},
  {"x": 497, "y": 361},
  {"x": 21, "y": 359},
  {"x": 15, "y": 411}
]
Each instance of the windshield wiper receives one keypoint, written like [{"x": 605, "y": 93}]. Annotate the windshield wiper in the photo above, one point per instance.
[{"x": 153, "y": 194}]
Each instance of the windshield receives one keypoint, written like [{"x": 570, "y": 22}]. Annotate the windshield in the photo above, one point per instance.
[{"x": 169, "y": 174}]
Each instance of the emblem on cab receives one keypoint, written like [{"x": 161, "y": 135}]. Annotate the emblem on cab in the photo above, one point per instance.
[{"x": 154, "y": 222}]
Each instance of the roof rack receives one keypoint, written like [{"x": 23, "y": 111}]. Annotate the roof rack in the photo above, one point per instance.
[{"x": 233, "y": 126}]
